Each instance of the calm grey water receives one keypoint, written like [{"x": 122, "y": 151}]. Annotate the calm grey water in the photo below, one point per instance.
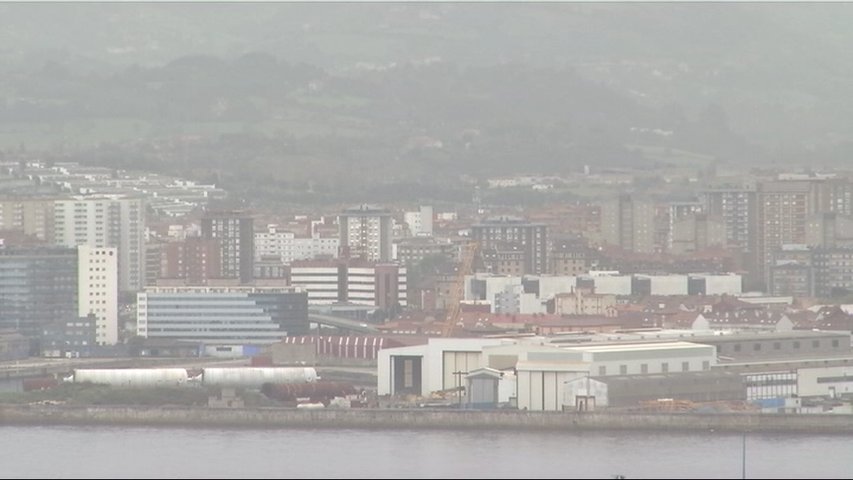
[{"x": 133, "y": 452}]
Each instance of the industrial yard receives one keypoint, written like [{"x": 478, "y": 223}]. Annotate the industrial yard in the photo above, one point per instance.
[
  {"x": 235, "y": 386},
  {"x": 659, "y": 372},
  {"x": 249, "y": 396}
]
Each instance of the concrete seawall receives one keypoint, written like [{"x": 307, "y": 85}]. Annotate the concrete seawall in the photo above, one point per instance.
[{"x": 416, "y": 419}]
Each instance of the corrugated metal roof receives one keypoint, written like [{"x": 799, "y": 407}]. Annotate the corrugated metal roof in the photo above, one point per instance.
[
  {"x": 636, "y": 347},
  {"x": 484, "y": 372}
]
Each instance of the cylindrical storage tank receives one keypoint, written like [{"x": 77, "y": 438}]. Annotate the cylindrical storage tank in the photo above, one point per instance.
[
  {"x": 254, "y": 377},
  {"x": 132, "y": 377}
]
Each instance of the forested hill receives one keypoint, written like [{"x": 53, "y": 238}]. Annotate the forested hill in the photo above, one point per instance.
[{"x": 424, "y": 90}]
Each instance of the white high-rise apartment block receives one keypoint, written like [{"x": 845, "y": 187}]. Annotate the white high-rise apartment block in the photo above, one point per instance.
[
  {"x": 97, "y": 290},
  {"x": 287, "y": 246},
  {"x": 274, "y": 242},
  {"x": 106, "y": 221},
  {"x": 361, "y": 283},
  {"x": 310, "y": 248},
  {"x": 365, "y": 233},
  {"x": 629, "y": 223},
  {"x": 420, "y": 222}
]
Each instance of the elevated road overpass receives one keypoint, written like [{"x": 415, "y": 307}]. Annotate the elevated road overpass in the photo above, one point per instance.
[{"x": 353, "y": 326}]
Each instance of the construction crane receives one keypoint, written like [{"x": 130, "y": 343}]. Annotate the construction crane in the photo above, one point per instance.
[{"x": 457, "y": 294}]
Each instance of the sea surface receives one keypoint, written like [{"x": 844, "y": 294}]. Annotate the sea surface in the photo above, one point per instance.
[{"x": 140, "y": 452}]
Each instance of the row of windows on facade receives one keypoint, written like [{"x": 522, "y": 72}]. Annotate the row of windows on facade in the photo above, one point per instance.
[
  {"x": 273, "y": 329},
  {"x": 778, "y": 346},
  {"x": 240, "y": 323},
  {"x": 71, "y": 342},
  {"x": 203, "y": 306},
  {"x": 644, "y": 368},
  {"x": 765, "y": 380},
  {"x": 234, "y": 316}
]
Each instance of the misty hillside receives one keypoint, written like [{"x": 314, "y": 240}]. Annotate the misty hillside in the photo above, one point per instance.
[{"x": 436, "y": 88}]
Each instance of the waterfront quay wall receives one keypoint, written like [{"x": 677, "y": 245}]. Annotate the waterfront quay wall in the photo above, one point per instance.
[{"x": 419, "y": 418}]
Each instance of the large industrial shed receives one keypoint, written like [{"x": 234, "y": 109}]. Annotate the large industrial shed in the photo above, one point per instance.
[
  {"x": 542, "y": 372},
  {"x": 441, "y": 364},
  {"x": 630, "y": 390},
  {"x": 548, "y": 377},
  {"x": 743, "y": 347},
  {"x": 541, "y": 385}
]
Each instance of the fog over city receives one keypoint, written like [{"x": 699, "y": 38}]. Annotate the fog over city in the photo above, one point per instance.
[{"x": 616, "y": 219}]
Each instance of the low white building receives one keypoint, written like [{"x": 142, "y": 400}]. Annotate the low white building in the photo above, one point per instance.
[
  {"x": 613, "y": 284},
  {"x": 584, "y": 394},
  {"x": 646, "y": 358},
  {"x": 720, "y": 283},
  {"x": 829, "y": 382},
  {"x": 513, "y": 300},
  {"x": 484, "y": 286},
  {"x": 666, "y": 284},
  {"x": 552, "y": 285}
]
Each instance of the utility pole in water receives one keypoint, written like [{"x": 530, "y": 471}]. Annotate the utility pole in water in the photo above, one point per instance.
[{"x": 743, "y": 457}]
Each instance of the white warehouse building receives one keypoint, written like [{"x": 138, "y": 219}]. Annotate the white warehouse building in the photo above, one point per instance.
[
  {"x": 646, "y": 358},
  {"x": 542, "y": 371},
  {"x": 666, "y": 284},
  {"x": 423, "y": 369},
  {"x": 612, "y": 284},
  {"x": 829, "y": 382},
  {"x": 484, "y": 286},
  {"x": 719, "y": 283},
  {"x": 552, "y": 285}
]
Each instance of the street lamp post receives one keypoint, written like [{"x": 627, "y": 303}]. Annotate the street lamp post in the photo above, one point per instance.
[{"x": 459, "y": 386}]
